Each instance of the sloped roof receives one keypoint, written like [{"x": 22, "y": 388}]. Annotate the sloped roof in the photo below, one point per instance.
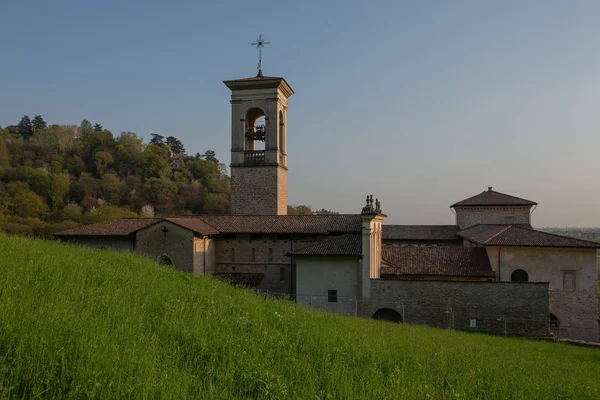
[
  {"x": 195, "y": 225},
  {"x": 345, "y": 245},
  {"x": 215, "y": 224},
  {"x": 117, "y": 227},
  {"x": 437, "y": 261},
  {"x": 521, "y": 235},
  {"x": 284, "y": 224},
  {"x": 492, "y": 198},
  {"x": 420, "y": 232}
]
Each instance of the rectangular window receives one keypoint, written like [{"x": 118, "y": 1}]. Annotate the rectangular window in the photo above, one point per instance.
[
  {"x": 253, "y": 254},
  {"x": 282, "y": 274},
  {"x": 332, "y": 296},
  {"x": 270, "y": 254},
  {"x": 569, "y": 280},
  {"x": 232, "y": 254}
]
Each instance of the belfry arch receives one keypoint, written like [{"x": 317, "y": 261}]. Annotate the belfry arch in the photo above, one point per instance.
[{"x": 258, "y": 145}]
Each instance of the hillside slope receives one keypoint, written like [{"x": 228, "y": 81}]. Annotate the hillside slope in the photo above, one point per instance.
[{"x": 80, "y": 323}]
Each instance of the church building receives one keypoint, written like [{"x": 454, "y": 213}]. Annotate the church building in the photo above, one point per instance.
[{"x": 489, "y": 272}]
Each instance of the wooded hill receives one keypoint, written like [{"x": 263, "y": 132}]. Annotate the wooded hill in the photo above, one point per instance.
[{"x": 54, "y": 177}]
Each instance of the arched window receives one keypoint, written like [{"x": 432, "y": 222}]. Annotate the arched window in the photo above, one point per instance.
[
  {"x": 518, "y": 275},
  {"x": 255, "y": 129},
  {"x": 554, "y": 322},
  {"x": 165, "y": 260},
  {"x": 387, "y": 314}
]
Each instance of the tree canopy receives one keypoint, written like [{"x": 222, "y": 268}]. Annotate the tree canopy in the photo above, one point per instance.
[{"x": 53, "y": 177}]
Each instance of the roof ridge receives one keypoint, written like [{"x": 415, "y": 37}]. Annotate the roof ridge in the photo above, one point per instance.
[
  {"x": 499, "y": 233},
  {"x": 214, "y": 227}
]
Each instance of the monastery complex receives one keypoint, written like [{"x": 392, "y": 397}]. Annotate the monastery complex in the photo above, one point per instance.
[{"x": 490, "y": 272}]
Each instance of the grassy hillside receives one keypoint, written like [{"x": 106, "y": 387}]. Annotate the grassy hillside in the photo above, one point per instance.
[{"x": 78, "y": 323}]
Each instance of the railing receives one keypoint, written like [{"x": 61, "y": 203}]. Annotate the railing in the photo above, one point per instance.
[{"x": 254, "y": 156}]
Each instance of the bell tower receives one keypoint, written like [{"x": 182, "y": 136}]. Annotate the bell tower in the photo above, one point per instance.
[{"x": 258, "y": 145}]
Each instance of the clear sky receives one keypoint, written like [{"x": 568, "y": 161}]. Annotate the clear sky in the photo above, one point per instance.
[{"x": 420, "y": 103}]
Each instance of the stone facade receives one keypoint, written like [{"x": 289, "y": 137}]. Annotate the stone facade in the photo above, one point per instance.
[
  {"x": 514, "y": 309},
  {"x": 469, "y": 216},
  {"x": 168, "y": 240},
  {"x": 572, "y": 277},
  {"x": 317, "y": 277},
  {"x": 265, "y": 254},
  {"x": 258, "y": 190}
]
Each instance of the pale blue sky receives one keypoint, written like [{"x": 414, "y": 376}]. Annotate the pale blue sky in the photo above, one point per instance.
[{"x": 420, "y": 103}]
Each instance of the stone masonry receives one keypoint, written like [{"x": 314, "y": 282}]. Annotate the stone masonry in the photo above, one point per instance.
[
  {"x": 514, "y": 309},
  {"x": 259, "y": 190}
]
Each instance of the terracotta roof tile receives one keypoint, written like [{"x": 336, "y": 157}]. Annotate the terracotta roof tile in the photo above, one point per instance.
[
  {"x": 521, "y": 235},
  {"x": 345, "y": 245},
  {"x": 117, "y": 227},
  {"x": 420, "y": 232},
  {"x": 493, "y": 198},
  {"x": 284, "y": 224},
  {"x": 214, "y": 224},
  {"x": 436, "y": 261},
  {"x": 195, "y": 225}
]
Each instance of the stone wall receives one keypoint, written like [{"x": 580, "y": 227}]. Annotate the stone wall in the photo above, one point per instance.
[
  {"x": 469, "y": 216},
  {"x": 573, "y": 278},
  {"x": 514, "y": 309},
  {"x": 258, "y": 190},
  {"x": 177, "y": 243},
  {"x": 264, "y": 254}
]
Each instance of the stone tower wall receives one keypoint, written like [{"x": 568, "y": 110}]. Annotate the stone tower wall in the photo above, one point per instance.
[{"x": 259, "y": 190}]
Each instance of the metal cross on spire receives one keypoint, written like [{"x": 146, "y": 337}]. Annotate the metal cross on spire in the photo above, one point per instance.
[{"x": 260, "y": 43}]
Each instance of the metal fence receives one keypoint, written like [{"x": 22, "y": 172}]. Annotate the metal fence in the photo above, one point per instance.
[{"x": 471, "y": 319}]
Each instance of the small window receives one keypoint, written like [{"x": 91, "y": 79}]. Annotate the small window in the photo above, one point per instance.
[
  {"x": 232, "y": 254},
  {"x": 569, "y": 280},
  {"x": 270, "y": 254},
  {"x": 518, "y": 275},
  {"x": 282, "y": 274},
  {"x": 332, "y": 296},
  {"x": 253, "y": 254}
]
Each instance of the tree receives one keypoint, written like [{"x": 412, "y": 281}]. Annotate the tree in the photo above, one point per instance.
[
  {"x": 38, "y": 123},
  {"x": 72, "y": 211},
  {"x": 25, "y": 203},
  {"x": 210, "y": 155},
  {"x": 25, "y": 128},
  {"x": 60, "y": 187},
  {"x": 85, "y": 129},
  {"x": 299, "y": 210},
  {"x": 176, "y": 145},
  {"x": 157, "y": 139},
  {"x": 103, "y": 161},
  {"x": 98, "y": 128},
  {"x": 161, "y": 193},
  {"x": 4, "y": 159}
]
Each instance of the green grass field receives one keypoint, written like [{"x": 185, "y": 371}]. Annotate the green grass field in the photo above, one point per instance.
[{"x": 79, "y": 323}]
